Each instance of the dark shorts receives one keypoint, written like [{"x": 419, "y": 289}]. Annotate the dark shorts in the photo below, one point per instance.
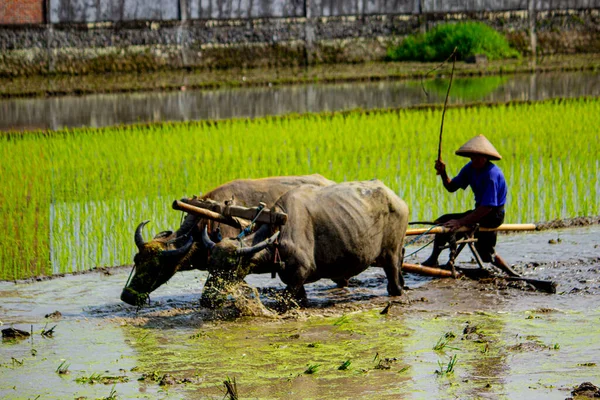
[{"x": 486, "y": 241}]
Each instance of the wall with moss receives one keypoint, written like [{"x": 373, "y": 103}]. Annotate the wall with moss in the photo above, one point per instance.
[{"x": 144, "y": 46}]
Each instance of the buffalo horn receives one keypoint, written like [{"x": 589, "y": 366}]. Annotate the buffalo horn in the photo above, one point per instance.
[
  {"x": 248, "y": 251},
  {"x": 139, "y": 240},
  {"x": 180, "y": 251},
  {"x": 209, "y": 244}
]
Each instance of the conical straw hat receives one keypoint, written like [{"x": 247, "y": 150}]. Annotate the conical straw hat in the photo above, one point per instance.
[{"x": 479, "y": 145}]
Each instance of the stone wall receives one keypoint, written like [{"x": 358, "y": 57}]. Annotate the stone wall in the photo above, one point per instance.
[
  {"x": 152, "y": 45},
  {"x": 86, "y": 11}
]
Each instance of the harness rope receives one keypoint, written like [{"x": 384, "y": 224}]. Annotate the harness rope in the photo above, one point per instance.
[
  {"x": 248, "y": 229},
  {"x": 434, "y": 225}
]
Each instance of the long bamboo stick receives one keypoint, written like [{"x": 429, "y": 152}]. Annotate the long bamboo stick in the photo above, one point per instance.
[
  {"x": 441, "y": 229},
  {"x": 445, "y": 104}
]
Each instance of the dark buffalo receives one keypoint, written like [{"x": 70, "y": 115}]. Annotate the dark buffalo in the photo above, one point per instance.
[
  {"x": 333, "y": 232},
  {"x": 160, "y": 258}
]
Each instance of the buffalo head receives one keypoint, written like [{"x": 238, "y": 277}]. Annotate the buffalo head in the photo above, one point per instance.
[
  {"x": 155, "y": 263},
  {"x": 230, "y": 262}
]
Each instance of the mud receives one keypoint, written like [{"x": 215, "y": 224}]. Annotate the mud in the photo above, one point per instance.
[{"x": 506, "y": 340}]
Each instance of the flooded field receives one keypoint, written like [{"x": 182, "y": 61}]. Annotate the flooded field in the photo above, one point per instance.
[
  {"x": 491, "y": 340},
  {"x": 97, "y": 110}
]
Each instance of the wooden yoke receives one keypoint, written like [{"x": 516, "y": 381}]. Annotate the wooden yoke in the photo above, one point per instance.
[
  {"x": 226, "y": 213},
  {"x": 208, "y": 214}
]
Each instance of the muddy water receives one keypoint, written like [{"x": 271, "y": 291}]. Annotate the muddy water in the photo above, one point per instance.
[
  {"x": 126, "y": 108},
  {"x": 509, "y": 342}
]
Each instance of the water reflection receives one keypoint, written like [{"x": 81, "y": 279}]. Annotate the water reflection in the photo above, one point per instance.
[{"x": 126, "y": 108}]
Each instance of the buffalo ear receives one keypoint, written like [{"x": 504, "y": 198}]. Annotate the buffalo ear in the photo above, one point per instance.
[{"x": 163, "y": 234}]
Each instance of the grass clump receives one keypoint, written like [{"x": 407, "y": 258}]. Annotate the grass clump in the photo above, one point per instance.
[
  {"x": 312, "y": 368},
  {"x": 446, "y": 369},
  {"x": 345, "y": 365},
  {"x": 443, "y": 341},
  {"x": 469, "y": 39},
  {"x": 63, "y": 368}
]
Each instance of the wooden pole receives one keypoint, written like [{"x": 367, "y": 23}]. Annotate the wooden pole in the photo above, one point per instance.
[
  {"x": 218, "y": 210},
  {"x": 441, "y": 229},
  {"x": 544, "y": 286},
  {"x": 428, "y": 271},
  {"x": 445, "y": 105},
  {"x": 203, "y": 213}
]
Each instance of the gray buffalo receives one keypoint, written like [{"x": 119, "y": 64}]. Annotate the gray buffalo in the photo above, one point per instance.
[
  {"x": 333, "y": 232},
  {"x": 159, "y": 259}
]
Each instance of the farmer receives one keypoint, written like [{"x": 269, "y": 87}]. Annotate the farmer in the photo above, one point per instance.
[{"x": 488, "y": 185}]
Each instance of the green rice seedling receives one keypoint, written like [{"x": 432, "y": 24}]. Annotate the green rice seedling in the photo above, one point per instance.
[
  {"x": 345, "y": 365},
  {"x": 312, "y": 368},
  {"x": 112, "y": 395},
  {"x": 443, "y": 341},
  {"x": 446, "y": 369},
  {"x": 63, "y": 368}
]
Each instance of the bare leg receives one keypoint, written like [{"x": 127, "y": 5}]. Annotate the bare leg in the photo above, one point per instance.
[
  {"x": 432, "y": 261},
  {"x": 499, "y": 262}
]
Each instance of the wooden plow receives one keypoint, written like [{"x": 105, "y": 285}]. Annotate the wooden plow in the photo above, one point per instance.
[{"x": 456, "y": 246}]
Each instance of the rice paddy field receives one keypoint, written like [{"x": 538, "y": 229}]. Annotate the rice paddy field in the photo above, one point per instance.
[{"x": 71, "y": 199}]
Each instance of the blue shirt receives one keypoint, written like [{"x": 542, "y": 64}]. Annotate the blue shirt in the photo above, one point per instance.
[{"x": 488, "y": 184}]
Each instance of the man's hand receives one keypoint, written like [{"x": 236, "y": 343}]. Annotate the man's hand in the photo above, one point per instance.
[
  {"x": 440, "y": 167},
  {"x": 453, "y": 224}
]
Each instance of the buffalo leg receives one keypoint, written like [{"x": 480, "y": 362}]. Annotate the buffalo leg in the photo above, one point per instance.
[
  {"x": 341, "y": 282},
  {"x": 392, "y": 268},
  {"x": 292, "y": 297},
  {"x": 296, "y": 272},
  {"x": 400, "y": 276}
]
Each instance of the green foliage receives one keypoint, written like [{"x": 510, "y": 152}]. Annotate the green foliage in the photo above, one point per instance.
[
  {"x": 95, "y": 378},
  {"x": 469, "y": 38}
]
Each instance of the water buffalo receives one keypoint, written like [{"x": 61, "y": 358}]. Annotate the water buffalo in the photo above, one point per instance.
[
  {"x": 333, "y": 232},
  {"x": 160, "y": 258}
]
